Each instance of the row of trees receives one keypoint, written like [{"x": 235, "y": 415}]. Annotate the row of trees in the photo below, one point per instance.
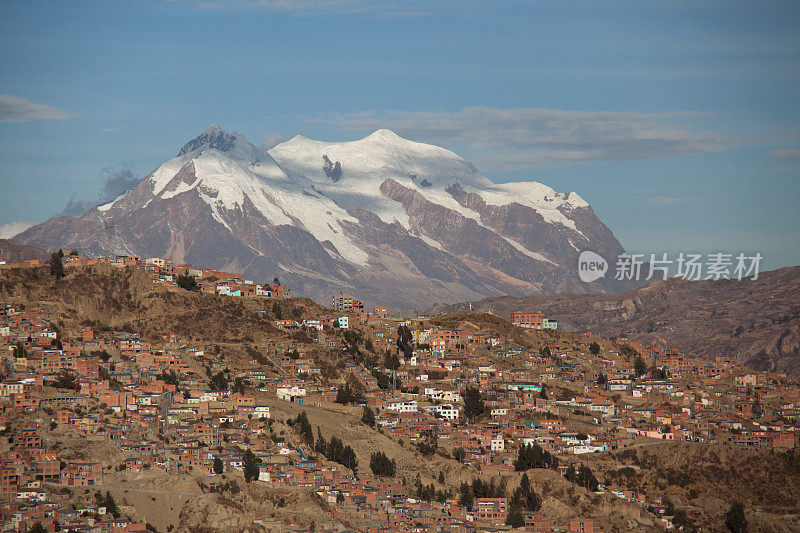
[
  {"x": 480, "y": 489},
  {"x": 583, "y": 476},
  {"x": 429, "y": 492},
  {"x": 335, "y": 450},
  {"x": 349, "y": 394},
  {"x": 523, "y": 500},
  {"x": 534, "y": 456}
]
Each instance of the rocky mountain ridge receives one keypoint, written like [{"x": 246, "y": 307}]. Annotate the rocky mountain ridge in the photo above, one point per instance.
[{"x": 396, "y": 222}]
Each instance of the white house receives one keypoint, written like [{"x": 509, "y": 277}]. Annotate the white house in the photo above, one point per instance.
[
  {"x": 445, "y": 410},
  {"x": 313, "y": 323},
  {"x": 602, "y": 406},
  {"x": 7, "y": 388},
  {"x": 290, "y": 393},
  {"x": 261, "y": 411},
  {"x": 403, "y": 407},
  {"x": 498, "y": 443}
]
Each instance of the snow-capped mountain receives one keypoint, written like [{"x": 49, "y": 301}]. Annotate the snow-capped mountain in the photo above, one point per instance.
[{"x": 398, "y": 222}]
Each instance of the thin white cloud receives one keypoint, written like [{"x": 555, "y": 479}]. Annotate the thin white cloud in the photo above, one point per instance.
[
  {"x": 112, "y": 129},
  {"x": 11, "y": 229},
  {"x": 663, "y": 200},
  {"x": 790, "y": 153},
  {"x": 17, "y": 109},
  {"x": 509, "y": 139}
]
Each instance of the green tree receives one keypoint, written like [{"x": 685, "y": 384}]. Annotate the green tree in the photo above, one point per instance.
[
  {"x": 586, "y": 478},
  {"x": 524, "y": 499},
  {"x": 594, "y": 348},
  {"x": 571, "y": 474},
  {"x": 639, "y": 366},
  {"x": 250, "y": 464},
  {"x": 473, "y": 402},
  {"x": 545, "y": 352},
  {"x": 67, "y": 379},
  {"x": 348, "y": 394},
  {"x": 276, "y": 310},
  {"x": 56, "y": 264},
  {"x": 218, "y": 466},
  {"x": 20, "y": 350},
  {"x": 735, "y": 519},
  {"x": 466, "y": 497},
  {"x": 37, "y": 527},
  {"x": 679, "y": 519},
  {"x": 391, "y": 361},
  {"x": 187, "y": 282},
  {"x": 303, "y": 426},
  {"x": 459, "y": 454},
  {"x": 321, "y": 446},
  {"x": 219, "y": 381},
  {"x": 111, "y": 505},
  {"x": 514, "y": 517},
  {"x": 405, "y": 340},
  {"x": 381, "y": 465},
  {"x": 335, "y": 450},
  {"x": 533, "y": 456},
  {"x": 344, "y": 394},
  {"x": 602, "y": 380},
  {"x": 368, "y": 417},
  {"x": 428, "y": 444},
  {"x": 531, "y": 501},
  {"x": 170, "y": 378}
]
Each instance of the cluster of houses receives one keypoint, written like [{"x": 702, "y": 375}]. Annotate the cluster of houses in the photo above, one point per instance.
[
  {"x": 162, "y": 270},
  {"x": 115, "y": 386},
  {"x": 532, "y": 321}
]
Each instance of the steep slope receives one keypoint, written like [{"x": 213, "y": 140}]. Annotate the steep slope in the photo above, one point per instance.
[
  {"x": 401, "y": 223},
  {"x": 756, "y": 322}
]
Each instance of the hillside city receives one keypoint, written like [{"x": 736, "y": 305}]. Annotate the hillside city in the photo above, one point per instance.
[{"x": 346, "y": 417}]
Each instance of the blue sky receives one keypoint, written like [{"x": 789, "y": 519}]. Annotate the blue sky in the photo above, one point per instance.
[{"x": 678, "y": 121}]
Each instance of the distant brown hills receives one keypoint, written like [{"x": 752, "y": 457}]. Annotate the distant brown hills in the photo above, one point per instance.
[
  {"x": 757, "y": 322},
  {"x": 14, "y": 252}
]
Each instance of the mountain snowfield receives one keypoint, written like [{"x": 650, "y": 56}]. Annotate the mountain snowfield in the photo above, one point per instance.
[{"x": 395, "y": 221}]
